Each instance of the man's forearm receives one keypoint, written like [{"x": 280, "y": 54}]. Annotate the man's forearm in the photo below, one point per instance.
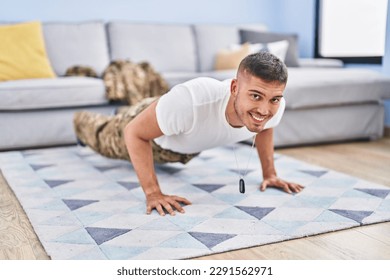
[
  {"x": 141, "y": 156},
  {"x": 265, "y": 149}
]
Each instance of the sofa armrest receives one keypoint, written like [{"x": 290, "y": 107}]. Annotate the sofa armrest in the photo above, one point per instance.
[{"x": 320, "y": 62}]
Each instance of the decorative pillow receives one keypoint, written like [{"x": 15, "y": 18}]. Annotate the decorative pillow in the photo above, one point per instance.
[
  {"x": 23, "y": 53},
  {"x": 278, "y": 49},
  {"x": 227, "y": 59},
  {"x": 268, "y": 37}
]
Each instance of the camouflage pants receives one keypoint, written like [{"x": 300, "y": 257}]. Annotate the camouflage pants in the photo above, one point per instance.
[{"x": 104, "y": 134}]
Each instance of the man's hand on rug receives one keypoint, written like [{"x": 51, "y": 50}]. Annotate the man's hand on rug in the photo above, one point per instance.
[
  {"x": 276, "y": 182},
  {"x": 161, "y": 202}
]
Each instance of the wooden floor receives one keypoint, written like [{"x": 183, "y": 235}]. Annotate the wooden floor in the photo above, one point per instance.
[{"x": 366, "y": 160}]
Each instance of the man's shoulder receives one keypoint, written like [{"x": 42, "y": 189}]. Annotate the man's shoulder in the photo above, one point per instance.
[
  {"x": 206, "y": 85},
  {"x": 206, "y": 81}
]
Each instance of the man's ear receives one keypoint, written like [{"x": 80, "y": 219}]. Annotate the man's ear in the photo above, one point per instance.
[{"x": 233, "y": 87}]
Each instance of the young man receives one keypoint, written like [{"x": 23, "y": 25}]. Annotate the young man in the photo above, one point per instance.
[{"x": 199, "y": 114}]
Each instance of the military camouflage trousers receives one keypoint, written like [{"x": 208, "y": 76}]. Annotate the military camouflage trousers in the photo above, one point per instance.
[{"x": 104, "y": 134}]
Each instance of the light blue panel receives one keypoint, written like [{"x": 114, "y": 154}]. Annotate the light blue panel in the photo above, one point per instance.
[
  {"x": 296, "y": 17},
  {"x": 386, "y": 58},
  {"x": 387, "y": 112},
  {"x": 386, "y": 65}
]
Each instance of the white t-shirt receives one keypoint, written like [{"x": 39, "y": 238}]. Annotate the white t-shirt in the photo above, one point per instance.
[{"x": 192, "y": 117}]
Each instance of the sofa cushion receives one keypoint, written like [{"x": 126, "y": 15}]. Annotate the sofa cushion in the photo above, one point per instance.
[
  {"x": 61, "y": 92},
  {"x": 268, "y": 37},
  {"x": 166, "y": 47},
  {"x": 322, "y": 87},
  {"x": 210, "y": 39},
  {"x": 71, "y": 44},
  {"x": 41, "y": 128},
  {"x": 226, "y": 59},
  {"x": 23, "y": 53},
  {"x": 231, "y": 57}
]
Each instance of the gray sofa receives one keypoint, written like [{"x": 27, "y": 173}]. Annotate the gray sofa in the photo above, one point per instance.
[{"x": 325, "y": 102}]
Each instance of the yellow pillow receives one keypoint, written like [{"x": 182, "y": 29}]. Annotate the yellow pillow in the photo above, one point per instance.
[
  {"x": 22, "y": 52},
  {"x": 230, "y": 59}
]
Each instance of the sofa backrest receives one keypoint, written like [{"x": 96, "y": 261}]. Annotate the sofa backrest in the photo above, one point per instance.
[
  {"x": 71, "y": 44},
  {"x": 212, "y": 38},
  {"x": 168, "y": 48}
]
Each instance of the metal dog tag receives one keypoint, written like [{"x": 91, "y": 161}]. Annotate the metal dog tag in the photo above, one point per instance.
[{"x": 242, "y": 185}]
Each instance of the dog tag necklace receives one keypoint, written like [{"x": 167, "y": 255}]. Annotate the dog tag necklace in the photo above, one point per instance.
[{"x": 241, "y": 182}]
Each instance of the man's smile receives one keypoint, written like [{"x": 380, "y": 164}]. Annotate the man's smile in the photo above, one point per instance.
[{"x": 257, "y": 117}]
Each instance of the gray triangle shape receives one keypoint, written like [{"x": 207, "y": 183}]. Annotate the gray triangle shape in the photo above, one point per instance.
[
  {"x": 56, "y": 183},
  {"x": 211, "y": 239},
  {"x": 257, "y": 212},
  {"x": 376, "y": 192},
  {"x": 205, "y": 158},
  {"x": 209, "y": 187},
  {"x": 36, "y": 167},
  {"x": 357, "y": 216},
  {"x": 170, "y": 169},
  {"x": 105, "y": 168},
  {"x": 315, "y": 173},
  {"x": 241, "y": 171},
  {"x": 101, "y": 235},
  {"x": 129, "y": 185},
  {"x": 74, "y": 204},
  {"x": 30, "y": 153}
]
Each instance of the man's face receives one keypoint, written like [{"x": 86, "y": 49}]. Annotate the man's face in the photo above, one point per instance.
[{"x": 255, "y": 101}]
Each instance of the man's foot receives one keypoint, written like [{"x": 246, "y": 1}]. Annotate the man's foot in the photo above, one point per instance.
[{"x": 79, "y": 142}]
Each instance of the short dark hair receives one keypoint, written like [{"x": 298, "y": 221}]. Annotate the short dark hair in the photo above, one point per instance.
[{"x": 265, "y": 66}]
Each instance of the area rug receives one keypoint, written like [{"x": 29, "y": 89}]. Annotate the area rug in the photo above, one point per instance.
[{"x": 85, "y": 206}]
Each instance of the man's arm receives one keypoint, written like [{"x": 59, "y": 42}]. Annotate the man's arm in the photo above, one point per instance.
[
  {"x": 138, "y": 134},
  {"x": 265, "y": 149}
]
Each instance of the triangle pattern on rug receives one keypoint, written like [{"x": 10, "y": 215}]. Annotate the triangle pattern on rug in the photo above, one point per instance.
[
  {"x": 101, "y": 235},
  {"x": 376, "y": 192},
  {"x": 74, "y": 204},
  {"x": 106, "y": 168},
  {"x": 211, "y": 239},
  {"x": 220, "y": 220},
  {"x": 205, "y": 158},
  {"x": 183, "y": 240},
  {"x": 129, "y": 185},
  {"x": 315, "y": 173},
  {"x": 241, "y": 171},
  {"x": 209, "y": 187},
  {"x": 56, "y": 183},
  {"x": 257, "y": 212},
  {"x": 170, "y": 169},
  {"x": 357, "y": 216},
  {"x": 36, "y": 167}
]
